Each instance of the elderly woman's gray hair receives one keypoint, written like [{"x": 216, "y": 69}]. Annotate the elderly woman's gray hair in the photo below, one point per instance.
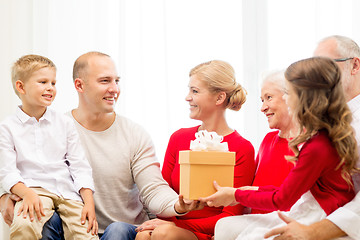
[{"x": 276, "y": 77}]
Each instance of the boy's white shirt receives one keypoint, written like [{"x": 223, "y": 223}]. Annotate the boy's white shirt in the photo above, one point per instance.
[{"x": 45, "y": 153}]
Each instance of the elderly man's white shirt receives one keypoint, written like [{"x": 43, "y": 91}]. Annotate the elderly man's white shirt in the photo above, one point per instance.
[
  {"x": 348, "y": 217},
  {"x": 45, "y": 153}
]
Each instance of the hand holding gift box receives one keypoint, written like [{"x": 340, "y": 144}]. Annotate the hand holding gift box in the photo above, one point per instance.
[{"x": 208, "y": 160}]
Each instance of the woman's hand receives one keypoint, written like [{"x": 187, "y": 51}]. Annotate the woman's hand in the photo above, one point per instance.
[
  {"x": 184, "y": 206},
  {"x": 152, "y": 224},
  {"x": 143, "y": 235},
  {"x": 225, "y": 196}
]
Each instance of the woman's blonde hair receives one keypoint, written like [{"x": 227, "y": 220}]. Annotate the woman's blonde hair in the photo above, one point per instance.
[
  {"x": 322, "y": 106},
  {"x": 220, "y": 77}
]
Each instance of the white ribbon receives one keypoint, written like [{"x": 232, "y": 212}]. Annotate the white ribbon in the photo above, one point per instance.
[{"x": 208, "y": 141}]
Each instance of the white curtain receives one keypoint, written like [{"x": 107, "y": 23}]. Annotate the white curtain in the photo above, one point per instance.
[{"x": 155, "y": 43}]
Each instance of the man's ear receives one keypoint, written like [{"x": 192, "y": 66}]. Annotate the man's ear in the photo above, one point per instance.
[
  {"x": 221, "y": 96},
  {"x": 19, "y": 85},
  {"x": 79, "y": 84},
  {"x": 356, "y": 66}
]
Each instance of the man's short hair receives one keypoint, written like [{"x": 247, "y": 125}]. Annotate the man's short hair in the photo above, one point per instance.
[{"x": 81, "y": 63}]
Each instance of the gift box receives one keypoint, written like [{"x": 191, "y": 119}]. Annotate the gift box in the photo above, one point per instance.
[{"x": 199, "y": 169}]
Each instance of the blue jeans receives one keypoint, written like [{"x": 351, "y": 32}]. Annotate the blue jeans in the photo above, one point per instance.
[
  {"x": 53, "y": 229},
  {"x": 119, "y": 231}
]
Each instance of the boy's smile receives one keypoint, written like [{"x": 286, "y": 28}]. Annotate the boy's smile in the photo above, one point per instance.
[{"x": 38, "y": 91}]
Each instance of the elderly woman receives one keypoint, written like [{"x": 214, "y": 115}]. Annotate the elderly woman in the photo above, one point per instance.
[
  {"x": 272, "y": 167},
  {"x": 325, "y": 152}
]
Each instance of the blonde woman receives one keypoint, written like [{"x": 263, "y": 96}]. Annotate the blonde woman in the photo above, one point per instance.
[{"x": 212, "y": 90}]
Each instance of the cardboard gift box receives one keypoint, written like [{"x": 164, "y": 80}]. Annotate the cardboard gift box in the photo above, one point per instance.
[{"x": 199, "y": 169}]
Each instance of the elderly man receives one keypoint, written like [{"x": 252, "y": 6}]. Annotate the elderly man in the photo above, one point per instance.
[{"x": 345, "y": 221}]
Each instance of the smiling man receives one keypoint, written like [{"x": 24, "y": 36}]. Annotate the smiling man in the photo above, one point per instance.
[
  {"x": 125, "y": 169},
  {"x": 120, "y": 152},
  {"x": 126, "y": 172}
]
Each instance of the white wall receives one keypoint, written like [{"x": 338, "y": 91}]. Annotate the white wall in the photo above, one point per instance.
[{"x": 155, "y": 44}]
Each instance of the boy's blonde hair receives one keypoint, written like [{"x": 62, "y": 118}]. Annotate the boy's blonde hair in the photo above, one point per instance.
[{"x": 25, "y": 66}]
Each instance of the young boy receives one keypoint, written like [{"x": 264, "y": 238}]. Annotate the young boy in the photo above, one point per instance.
[{"x": 41, "y": 159}]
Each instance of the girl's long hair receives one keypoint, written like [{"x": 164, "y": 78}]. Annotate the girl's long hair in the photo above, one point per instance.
[{"x": 322, "y": 106}]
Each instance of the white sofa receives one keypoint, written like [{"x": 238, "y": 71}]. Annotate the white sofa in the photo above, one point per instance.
[{"x": 4, "y": 230}]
